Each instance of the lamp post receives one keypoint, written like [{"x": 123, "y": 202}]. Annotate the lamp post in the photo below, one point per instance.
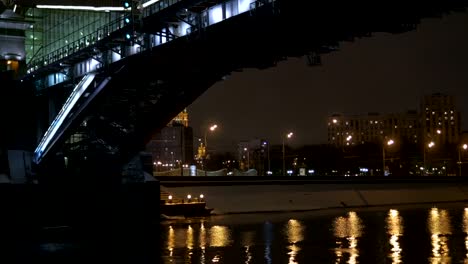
[
  {"x": 211, "y": 128},
  {"x": 429, "y": 145},
  {"x": 268, "y": 153},
  {"x": 289, "y": 135},
  {"x": 389, "y": 143},
  {"x": 464, "y": 147},
  {"x": 248, "y": 158}
]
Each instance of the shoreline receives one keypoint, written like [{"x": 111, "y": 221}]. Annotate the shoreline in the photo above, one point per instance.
[{"x": 293, "y": 198}]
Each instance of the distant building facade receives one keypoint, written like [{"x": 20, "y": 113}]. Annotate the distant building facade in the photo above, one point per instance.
[
  {"x": 173, "y": 145},
  {"x": 438, "y": 122},
  {"x": 351, "y": 130},
  {"x": 441, "y": 122}
]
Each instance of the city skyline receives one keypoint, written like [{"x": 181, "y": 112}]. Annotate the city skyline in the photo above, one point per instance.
[{"x": 403, "y": 67}]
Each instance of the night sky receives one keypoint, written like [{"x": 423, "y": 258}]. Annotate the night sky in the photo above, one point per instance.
[{"x": 384, "y": 73}]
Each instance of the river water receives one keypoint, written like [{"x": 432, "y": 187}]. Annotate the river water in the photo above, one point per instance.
[{"x": 397, "y": 234}]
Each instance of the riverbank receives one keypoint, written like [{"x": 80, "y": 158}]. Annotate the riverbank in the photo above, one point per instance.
[{"x": 258, "y": 198}]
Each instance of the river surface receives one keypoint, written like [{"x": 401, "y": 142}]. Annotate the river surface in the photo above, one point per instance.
[
  {"x": 397, "y": 234},
  {"x": 433, "y": 233}
]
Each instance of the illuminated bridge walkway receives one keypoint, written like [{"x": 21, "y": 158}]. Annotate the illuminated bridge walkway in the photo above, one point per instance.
[{"x": 130, "y": 86}]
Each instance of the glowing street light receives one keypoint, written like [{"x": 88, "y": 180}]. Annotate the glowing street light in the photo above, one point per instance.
[
  {"x": 464, "y": 147},
  {"x": 248, "y": 157},
  {"x": 388, "y": 143},
  {"x": 289, "y": 135},
  {"x": 211, "y": 128}
]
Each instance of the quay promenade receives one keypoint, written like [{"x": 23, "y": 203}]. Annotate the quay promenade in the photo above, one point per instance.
[{"x": 228, "y": 195}]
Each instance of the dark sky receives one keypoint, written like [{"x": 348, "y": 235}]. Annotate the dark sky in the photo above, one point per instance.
[{"x": 384, "y": 73}]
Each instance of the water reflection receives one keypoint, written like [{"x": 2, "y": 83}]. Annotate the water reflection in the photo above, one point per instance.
[
  {"x": 202, "y": 241},
  {"x": 295, "y": 234},
  {"x": 170, "y": 241},
  {"x": 395, "y": 230},
  {"x": 220, "y": 236},
  {"x": 347, "y": 231},
  {"x": 247, "y": 240},
  {"x": 440, "y": 230},
  {"x": 268, "y": 237},
  {"x": 465, "y": 230},
  {"x": 189, "y": 243},
  {"x": 285, "y": 240}
]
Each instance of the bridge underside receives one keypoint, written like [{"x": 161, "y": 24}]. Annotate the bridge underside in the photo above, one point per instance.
[{"x": 147, "y": 90}]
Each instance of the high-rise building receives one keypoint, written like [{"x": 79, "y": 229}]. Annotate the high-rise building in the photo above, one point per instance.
[
  {"x": 182, "y": 118},
  {"x": 173, "y": 145},
  {"x": 351, "y": 130},
  {"x": 438, "y": 122},
  {"x": 441, "y": 122}
]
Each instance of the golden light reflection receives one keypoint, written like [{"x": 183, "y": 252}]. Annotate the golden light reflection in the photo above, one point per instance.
[
  {"x": 295, "y": 234},
  {"x": 295, "y": 231},
  {"x": 189, "y": 243},
  {"x": 189, "y": 237},
  {"x": 440, "y": 229},
  {"x": 465, "y": 229},
  {"x": 395, "y": 230},
  {"x": 248, "y": 255},
  {"x": 220, "y": 236},
  {"x": 170, "y": 240},
  {"x": 202, "y": 239},
  {"x": 293, "y": 251},
  {"x": 347, "y": 231},
  {"x": 247, "y": 240}
]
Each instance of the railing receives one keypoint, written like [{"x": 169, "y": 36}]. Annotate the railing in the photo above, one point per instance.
[
  {"x": 75, "y": 46},
  {"x": 118, "y": 24},
  {"x": 79, "y": 89}
]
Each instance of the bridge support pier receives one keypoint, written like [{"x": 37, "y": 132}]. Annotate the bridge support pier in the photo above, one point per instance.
[{"x": 20, "y": 163}]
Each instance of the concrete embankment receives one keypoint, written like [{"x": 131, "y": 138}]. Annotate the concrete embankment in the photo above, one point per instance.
[{"x": 233, "y": 196}]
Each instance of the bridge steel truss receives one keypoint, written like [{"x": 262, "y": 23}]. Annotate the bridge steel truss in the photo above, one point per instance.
[{"x": 153, "y": 82}]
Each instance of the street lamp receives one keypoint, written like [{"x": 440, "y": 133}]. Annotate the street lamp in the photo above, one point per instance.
[
  {"x": 464, "y": 147},
  {"x": 211, "y": 128},
  {"x": 268, "y": 153},
  {"x": 248, "y": 158},
  {"x": 429, "y": 145},
  {"x": 289, "y": 135},
  {"x": 389, "y": 143}
]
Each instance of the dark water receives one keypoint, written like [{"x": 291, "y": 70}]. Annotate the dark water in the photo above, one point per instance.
[
  {"x": 416, "y": 234},
  {"x": 400, "y": 234}
]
